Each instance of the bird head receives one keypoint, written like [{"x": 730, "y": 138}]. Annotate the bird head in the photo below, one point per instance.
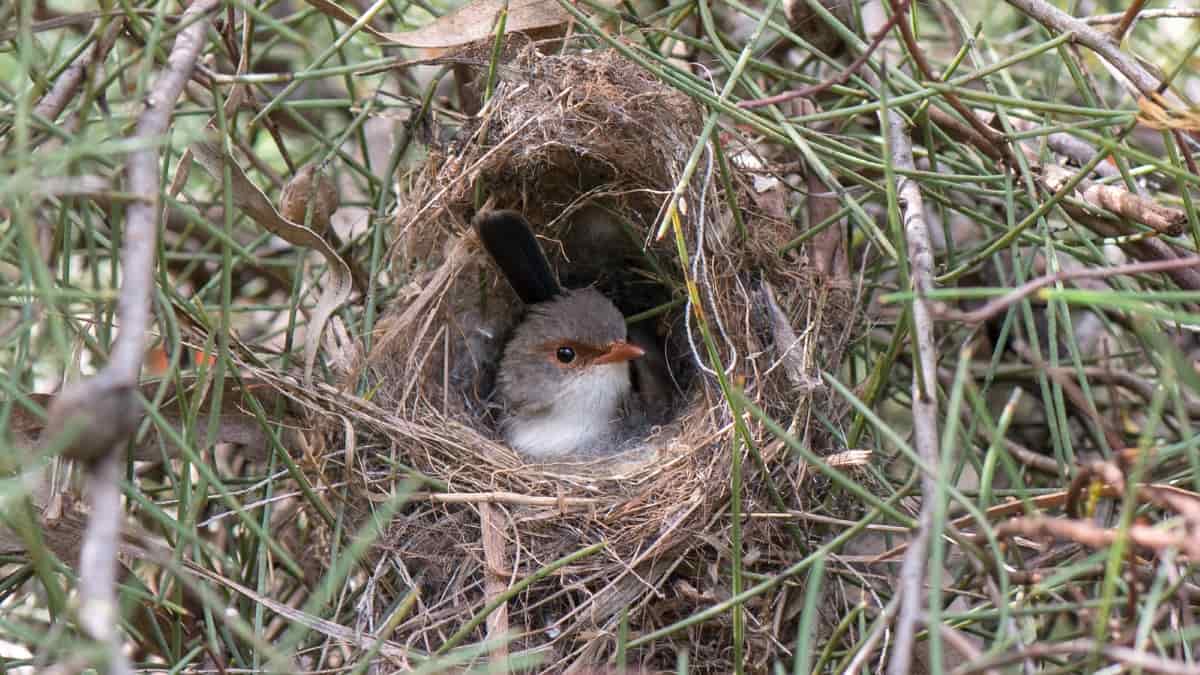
[{"x": 569, "y": 353}]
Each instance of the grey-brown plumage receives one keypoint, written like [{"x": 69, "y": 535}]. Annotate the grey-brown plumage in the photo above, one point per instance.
[{"x": 564, "y": 378}]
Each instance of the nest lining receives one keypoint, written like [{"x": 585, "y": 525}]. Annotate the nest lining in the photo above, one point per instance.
[{"x": 562, "y": 133}]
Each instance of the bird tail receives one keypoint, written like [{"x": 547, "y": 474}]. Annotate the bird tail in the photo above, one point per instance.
[{"x": 510, "y": 242}]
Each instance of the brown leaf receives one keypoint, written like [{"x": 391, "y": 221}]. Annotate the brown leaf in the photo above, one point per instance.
[
  {"x": 1158, "y": 113},
  {"x": 310, "y": 184},
  {"x": 473, "y": 21}
]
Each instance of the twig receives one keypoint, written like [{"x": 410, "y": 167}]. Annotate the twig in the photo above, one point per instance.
[
  {"x": 840, "y": 78},
  {"x": 1146, "y": 83},
  {"x": 1142, "y": 248},
  {"x": 829, "y": 247},
  {"x": 924, "y": 393},
  {"x": 106, "y": 403},
  {"x": 1052, "y": 500},
  {"x": 1075, "y": 149},
  {"x": 1001, "y": 304},
  {"x": 66, "y": 86},
  {"x": 959, "y": 130},
  {"x": 868, "y": 646},
  {"x": 1092, "y": 535},
  {"x": 1129, "y": 657},
  {"x": 1031, "y": 459},
  {"x": 991, "y": 136},
  {"x": 1073, "y": 392},
  {"x": 1108, "y": 472},
  {"x": 962, "y": 644},
  {"x": 1146, "y": 15},
  {"x": 98, "y": 560},
  {"x": 1113, "y": 199},
  {"x": 81, "y": 20},
  {"x": 1095, "y": 40},
  {"x": 495, "y": 583},
  {"x": 506, "y": 498},
  {"x": 1140, "y": 386},
  {"x": 1127, "y": 19}
]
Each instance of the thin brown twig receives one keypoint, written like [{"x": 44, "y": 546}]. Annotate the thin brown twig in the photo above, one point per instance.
[
  {"x": 991, "y": 136},
  {"x": 867, "y": 647},
  {"x": 961, "y": 644},
  {"x": 1032, "y": 459},
  {"x": 1052, "y": 500},
  {"x": 1074, "y": 393},
  {"x": 841, "y": 77},
  {"x": 1113, "y": 199},
  {"x": 1029, "y": 458},
  {"x": 1145, "y": 248},
  {"x": 1107, "y": 472},
  {"x": 1140, "y": 386},
  {"x": 1145, "y": 82},
  {"x": 1075, "y": 149},
  {"x": 995, "y": 307},
  {"x": 1092, "y": 535},
  {"x": 1146, "y": 15},
  {"x": 1128, "y": 656},
  {"x": 1127, "y": 19},
  {"x": 67, "y": 85},
  {"x": 963, "y": 132},
  {"x": 1098, "y": 41},
  {"x": 81, "y": 20},
  {"x": 506, "y": 498}
]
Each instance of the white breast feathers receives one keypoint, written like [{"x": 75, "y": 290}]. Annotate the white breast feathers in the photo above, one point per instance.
[{"x": 584, "y": 419}]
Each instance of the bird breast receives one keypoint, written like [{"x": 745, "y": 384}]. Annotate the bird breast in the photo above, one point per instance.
[{"x": 582, "y": 418}]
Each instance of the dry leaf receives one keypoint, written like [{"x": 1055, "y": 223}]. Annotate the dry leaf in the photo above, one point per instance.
[
  {"x": 255, "y": 204},
  {"x": 1156, "y": 113},
  {"x": 473, "y": 21},
  {"x": 310, "y": 184}
]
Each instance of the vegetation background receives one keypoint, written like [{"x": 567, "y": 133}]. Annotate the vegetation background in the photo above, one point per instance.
[{"x": 1011, "y": 186}]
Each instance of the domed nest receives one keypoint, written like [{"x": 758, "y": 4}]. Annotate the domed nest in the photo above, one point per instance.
[{"x": 568, "y": 140}]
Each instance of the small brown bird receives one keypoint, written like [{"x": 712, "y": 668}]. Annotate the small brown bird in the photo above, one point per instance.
[{"x": 564, "y": 379}]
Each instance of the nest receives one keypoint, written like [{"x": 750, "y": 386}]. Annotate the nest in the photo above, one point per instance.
[{"x": 644, "y": 534}]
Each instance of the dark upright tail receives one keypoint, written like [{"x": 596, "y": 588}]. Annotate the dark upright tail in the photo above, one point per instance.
[{"x": 509, "y": 239}]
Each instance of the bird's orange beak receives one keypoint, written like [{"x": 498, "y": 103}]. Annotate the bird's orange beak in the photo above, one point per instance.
[{"x": 618, "y": 352}]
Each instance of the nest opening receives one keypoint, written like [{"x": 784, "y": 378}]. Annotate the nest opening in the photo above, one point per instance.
[{"x": 598, "y": 244}]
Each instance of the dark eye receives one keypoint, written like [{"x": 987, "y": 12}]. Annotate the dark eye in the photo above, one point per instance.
[{"x": 565, "y": 355}]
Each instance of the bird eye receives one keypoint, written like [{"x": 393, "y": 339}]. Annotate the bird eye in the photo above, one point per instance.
[{"x": 565, "y": 355}]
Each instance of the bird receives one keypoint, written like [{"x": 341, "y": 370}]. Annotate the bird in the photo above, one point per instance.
[{"x": 564, "y": 380}]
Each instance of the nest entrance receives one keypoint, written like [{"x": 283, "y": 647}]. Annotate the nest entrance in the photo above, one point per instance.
[{"x": 599, "y": 245}]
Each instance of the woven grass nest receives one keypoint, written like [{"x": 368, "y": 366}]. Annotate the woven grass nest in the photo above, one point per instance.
[{"x": 563, "y": 134}]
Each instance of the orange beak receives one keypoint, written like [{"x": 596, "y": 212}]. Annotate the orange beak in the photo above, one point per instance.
[{"x": 618, "y": 352}]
